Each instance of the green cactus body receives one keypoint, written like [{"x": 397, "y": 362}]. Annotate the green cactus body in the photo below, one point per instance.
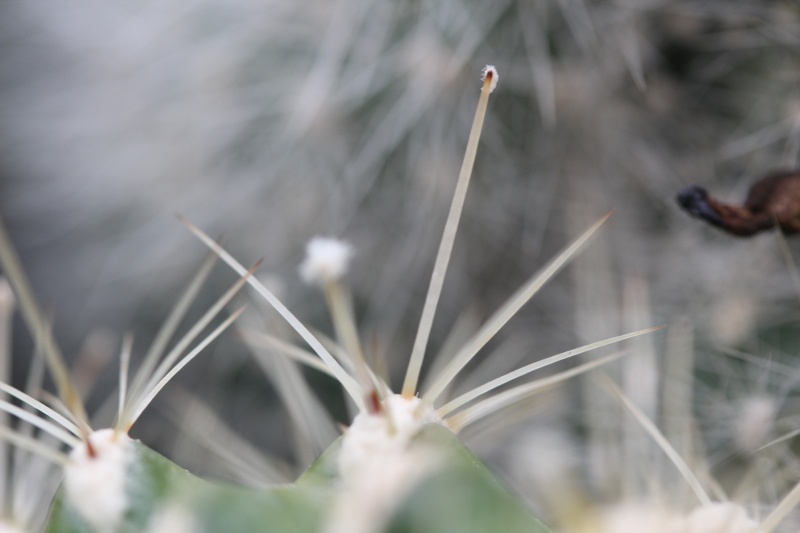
[{"x": 460, "y": 494}]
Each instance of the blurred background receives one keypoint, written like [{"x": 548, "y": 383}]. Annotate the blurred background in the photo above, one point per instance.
[{"x": 269, "y": 122}]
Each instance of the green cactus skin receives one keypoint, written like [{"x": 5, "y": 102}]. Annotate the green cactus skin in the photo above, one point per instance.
[{"x": 461, "y": 495}]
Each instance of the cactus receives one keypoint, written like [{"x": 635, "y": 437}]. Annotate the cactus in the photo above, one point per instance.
[
  {"x": 399, "y": 466},
  {"x": 460, "y": 495}
]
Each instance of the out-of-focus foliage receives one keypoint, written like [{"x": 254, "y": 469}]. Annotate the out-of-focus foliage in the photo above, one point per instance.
[{"x": 274, "y": 121}]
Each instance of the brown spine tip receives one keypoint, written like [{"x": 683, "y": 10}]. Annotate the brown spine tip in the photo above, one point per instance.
[
  {"x": 374, "y": 405},
  {"x": 90, "y": 451},
  {"x": 490, "y": 77}
]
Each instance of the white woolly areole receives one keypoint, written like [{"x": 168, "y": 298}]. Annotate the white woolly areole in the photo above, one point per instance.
[
  {"x": 377, "y": 468},
  {"x": 374, "y": 438},
  {"x": 718, "y": 518},
  {"x": 365, "y": 504},
  {"x": 95, "y": 486},
  {"x": 486, "y": 70},
  {"x": 327, "y": 259}
]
